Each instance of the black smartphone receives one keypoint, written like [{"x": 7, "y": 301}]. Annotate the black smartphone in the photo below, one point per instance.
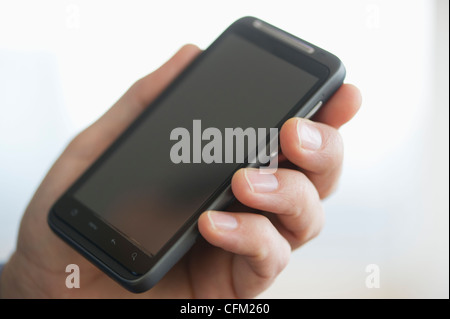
[{"x": 134, "y": 212}]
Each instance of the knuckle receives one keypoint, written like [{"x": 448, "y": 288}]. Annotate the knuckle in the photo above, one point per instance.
[
  {"x": 318, "y": 227},
  {"x": 285, "y": 254},
  {"x": 296, "y": 197},
  {"x": 337, "y": 147},
  {"x": 262, "y": 252},
  {"x": 312, "y": 230},
  {"x": 273, "y": 254},
  {"x": 329, "y": 188},
  {"x": 332, "y": 152}
]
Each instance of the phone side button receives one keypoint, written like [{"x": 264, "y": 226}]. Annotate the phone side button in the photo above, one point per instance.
[{"x": 314, "y": 110}]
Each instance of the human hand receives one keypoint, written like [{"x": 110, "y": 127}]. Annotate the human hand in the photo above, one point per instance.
[{"x": 241, "y": 253}]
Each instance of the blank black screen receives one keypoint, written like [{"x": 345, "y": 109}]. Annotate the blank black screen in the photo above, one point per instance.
[{"x": 138, "y": 189}]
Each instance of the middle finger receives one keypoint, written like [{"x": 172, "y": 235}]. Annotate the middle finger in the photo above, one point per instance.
[{"x": 289, "y": 194}]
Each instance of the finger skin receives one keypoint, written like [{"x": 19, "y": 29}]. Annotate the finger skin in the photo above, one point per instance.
[
  {"x": 295, "y": 204},
  {"x": 261, "y": 253},
  {"x": 321, "y": 166},
  {"x": 341, "y": 107}
]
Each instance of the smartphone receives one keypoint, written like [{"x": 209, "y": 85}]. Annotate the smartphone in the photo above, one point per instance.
[{"x": 134, "y": 212}]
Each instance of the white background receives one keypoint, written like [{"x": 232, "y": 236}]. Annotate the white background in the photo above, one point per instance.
[{"x": 64, "y": 63}]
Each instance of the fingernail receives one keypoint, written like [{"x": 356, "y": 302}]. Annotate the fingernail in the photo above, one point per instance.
[
  {"x": 309, "y": 136},
  {"x": 222, "y": 221},
  {"x": 260, "y": 183}
]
